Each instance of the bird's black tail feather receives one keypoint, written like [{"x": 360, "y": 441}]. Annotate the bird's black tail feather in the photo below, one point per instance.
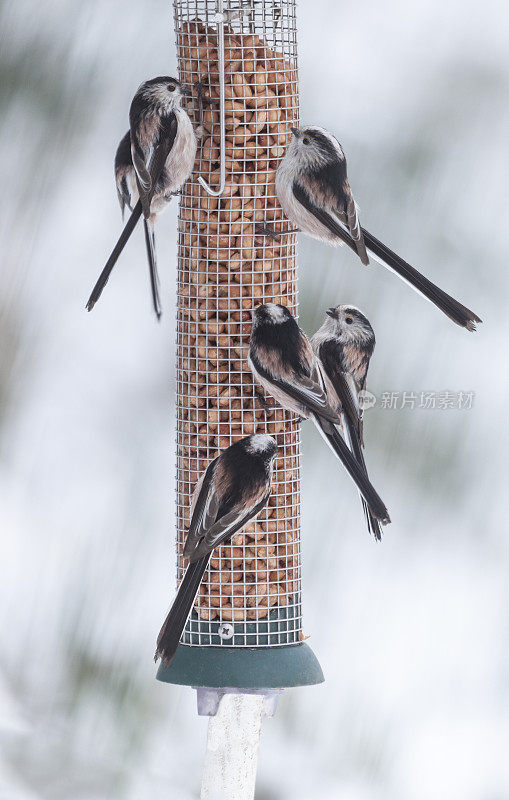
[
  {"x": 105, "y": 274},
  {"x": 373, "y": 524},
  {"x": 152, "y": 266},
  {"x": 173, "y": 625},
  {"x": 358, "y": 475},
  {"x": 451, "y": 307}
]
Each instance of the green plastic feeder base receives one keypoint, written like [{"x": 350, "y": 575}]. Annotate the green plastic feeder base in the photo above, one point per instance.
[{"x": 243, "y": 667}]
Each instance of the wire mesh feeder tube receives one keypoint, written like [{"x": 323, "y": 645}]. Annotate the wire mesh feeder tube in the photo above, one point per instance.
[{"x": 251, "y": 594}]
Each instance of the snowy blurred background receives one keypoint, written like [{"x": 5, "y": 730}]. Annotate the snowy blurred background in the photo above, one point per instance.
[{"x": 413, "y": 634}]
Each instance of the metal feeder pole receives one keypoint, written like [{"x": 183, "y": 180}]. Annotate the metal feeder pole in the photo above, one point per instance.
[{"x": 243, "y": 642}]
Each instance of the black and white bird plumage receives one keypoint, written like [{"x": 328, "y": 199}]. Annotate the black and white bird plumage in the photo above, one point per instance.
[
  {"x": 313, "y": 189},
  {"x": 344, "y": 345},
  {"x": 128, "y": 196},
  {"x": 233, "y": 489},
  {"x": 282, "y": 360},
  {"x": 162, "y": 154}
]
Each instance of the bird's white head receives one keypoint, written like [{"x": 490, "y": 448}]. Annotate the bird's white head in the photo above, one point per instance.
[
  {"x": 271, "y": 313},
  {"x": 261, "y": 444},
  {"x": 313, "y": 148},
  {"x": 349, "y": 325},
  {"x": 163, "y": 93}
]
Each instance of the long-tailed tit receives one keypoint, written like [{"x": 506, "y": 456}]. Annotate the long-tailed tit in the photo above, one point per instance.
[
  {"x": 344, "y": 344},
  {"x": 232, "y": 490},
  {"x": 282, "y": 359},
  {"x": 313, "y": 189},
  {"x": 163, "y": 150}
]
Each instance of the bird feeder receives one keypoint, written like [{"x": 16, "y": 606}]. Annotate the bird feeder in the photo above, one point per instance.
[{"x": 245, "y": 630}]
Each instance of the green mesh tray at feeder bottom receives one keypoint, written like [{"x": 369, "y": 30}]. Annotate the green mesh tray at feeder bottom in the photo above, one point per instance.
[
  {"x": 218, "y": 664},
  {"x": 283, "y": 626}
]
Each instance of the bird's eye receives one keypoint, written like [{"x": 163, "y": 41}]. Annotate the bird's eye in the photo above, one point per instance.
[
  {"x": 348, "y": 320},
  {"x": 171, "y": 87},
  {"x": 306, "y": 140}
]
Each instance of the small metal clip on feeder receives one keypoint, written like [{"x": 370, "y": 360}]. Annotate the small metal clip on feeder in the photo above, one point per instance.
[{"x": 245, "y": 632}]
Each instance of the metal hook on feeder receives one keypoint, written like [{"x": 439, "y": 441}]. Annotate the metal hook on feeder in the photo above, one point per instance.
[{"x": 220, "y": 19}]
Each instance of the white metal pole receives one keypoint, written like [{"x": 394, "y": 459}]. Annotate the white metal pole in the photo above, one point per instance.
[{"x": 231, "y": 757}]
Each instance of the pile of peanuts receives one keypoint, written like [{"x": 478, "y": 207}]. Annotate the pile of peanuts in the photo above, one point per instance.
[{"x": 226, "y": 268}]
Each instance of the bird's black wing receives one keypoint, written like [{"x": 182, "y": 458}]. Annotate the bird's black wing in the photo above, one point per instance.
[
  {"x": 305, "y": 391},
  {"x": 310, "y": 395},
  {"x": 346, "y": 397},
  {"x": 148, "y": 176},
  {"x": 322, "y": 216},
  {"x": 225, "y": 527},
  {"x": 331, "y": 183},
  {"x": 205, "y": 504},
  {"x": 331, "y": 360},
  {"x": 163, "y": 148}
]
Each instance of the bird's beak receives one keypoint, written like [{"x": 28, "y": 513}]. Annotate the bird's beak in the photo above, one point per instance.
[
  {"x": 185, "y": 90},
  {"x": 295, "y": 132},
  {"x": 331, "y": 312}
]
